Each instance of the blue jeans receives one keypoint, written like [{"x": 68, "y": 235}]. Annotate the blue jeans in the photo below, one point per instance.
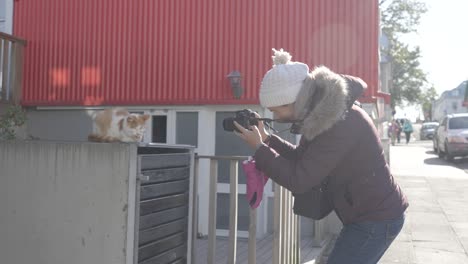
[{"x": 366, "y": 242}]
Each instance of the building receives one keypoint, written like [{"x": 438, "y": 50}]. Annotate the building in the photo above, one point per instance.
[
  {"x": 6, "y": 16},
  {"x": 171, "y": 59},
  {"x": 450, "y": 102}
]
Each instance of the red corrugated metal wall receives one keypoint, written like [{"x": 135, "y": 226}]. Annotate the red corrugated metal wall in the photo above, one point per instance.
[{"x": 126, "y": 52}]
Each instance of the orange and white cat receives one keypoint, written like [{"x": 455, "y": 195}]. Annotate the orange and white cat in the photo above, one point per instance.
[{"x": 118, "y": 125}]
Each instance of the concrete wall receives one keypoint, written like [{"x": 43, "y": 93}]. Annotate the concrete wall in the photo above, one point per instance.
[
  {"x": 66, "y": 202},
  {"x": 75, "y": 125},
  {"x": 68, "y": 125}
]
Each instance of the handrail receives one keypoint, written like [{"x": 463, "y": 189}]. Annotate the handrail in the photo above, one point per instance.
[
  {"x": 286, "y": 247},
  {"x": 11, "y": 68},
  {"x": 12, "y": 38}
]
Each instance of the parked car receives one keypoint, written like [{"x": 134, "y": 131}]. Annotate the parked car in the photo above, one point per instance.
[
  {"x": 452, "y": 136},
  {"x": 427, "y": 130}
]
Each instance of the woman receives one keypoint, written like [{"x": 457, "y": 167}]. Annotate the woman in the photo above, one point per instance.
[
  {"x": 339, "y": 144},
  {"x": 395, "y": 130},
  {"x": 407, "y": 129},
  {"x": 398, "y": 132}
]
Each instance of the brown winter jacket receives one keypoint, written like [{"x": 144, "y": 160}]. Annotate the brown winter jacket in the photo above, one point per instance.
[{"x": 338, "y": 140}]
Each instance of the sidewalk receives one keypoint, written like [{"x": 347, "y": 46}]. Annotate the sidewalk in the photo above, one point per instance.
[{"x": 436, "y": 228}]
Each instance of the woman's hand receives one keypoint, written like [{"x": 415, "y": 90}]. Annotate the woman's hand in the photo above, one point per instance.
[
  {"x": 261, "y": 128},
  {"x": 252, "y": 137}
]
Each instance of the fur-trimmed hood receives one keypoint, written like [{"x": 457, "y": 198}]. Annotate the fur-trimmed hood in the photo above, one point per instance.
[{"x": 323, "y": 100}]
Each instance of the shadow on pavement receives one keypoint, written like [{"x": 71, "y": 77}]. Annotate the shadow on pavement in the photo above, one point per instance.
[
  {"x": 461, "y": 163},
  {"x": 437, "y": 161}
]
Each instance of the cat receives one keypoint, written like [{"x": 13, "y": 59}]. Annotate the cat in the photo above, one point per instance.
[{"x": 118, "y": 125}]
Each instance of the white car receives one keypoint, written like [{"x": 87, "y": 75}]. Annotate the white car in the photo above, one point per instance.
[{"x": 451, "y": 139}]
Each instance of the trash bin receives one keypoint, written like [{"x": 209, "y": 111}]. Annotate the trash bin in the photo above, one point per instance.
[
  {"x": 106, "y": 203},
  {"x": 163, "y": 203}
]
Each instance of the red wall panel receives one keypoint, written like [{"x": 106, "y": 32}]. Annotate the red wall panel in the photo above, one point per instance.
[{"x": 147, "y": 52}]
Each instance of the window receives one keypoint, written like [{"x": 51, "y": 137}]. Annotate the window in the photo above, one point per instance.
[
  {"x": 429, "y": 126},
  {"x": 187, "y": 128},
  {"x": 3, "y": 11},
  {"x": 159, "y": 128},
  {"x": 458, "y": 122}
]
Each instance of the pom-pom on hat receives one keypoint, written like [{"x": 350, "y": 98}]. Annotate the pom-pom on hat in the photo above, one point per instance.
[{"x": 282, "y": 83}]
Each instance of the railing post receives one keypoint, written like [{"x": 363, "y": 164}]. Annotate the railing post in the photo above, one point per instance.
[
  {"x": 253, "y": 236},
  {"x": 2, "y": 88},
  {"x": 289, "y": 222},
  {"x": 233, "y": 194},
  {"x": 12, "y": 72},
  {"x": 298, "y": 239},
  {"x": 17, "y": 54},
  {"x": 195, "y": 209},
  {"x": 212, "y": 212},
  {"x": 5, "y": 69},
  {"x": 294, "y": 236},
  {"x": 277, "y": 225},
  {"x": 291, "y": 230},
  {"x": 286, "y": 226}
]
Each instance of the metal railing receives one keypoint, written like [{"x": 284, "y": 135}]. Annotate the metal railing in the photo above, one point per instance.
[
  {"x": 11, "y": 68},
  {"x": 286, "y": 229}
]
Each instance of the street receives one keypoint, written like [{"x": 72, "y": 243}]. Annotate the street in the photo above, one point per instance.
[{"x": 436, "y": 227}]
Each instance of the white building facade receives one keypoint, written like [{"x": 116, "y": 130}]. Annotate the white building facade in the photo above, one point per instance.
[{"x": 450, "y": 102}]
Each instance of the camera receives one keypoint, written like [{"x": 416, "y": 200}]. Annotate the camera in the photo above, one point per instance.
[{"x": 245, "y": 118}]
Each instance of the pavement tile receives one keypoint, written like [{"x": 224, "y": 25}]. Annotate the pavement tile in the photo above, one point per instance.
[
  {"x": 457, "y": 217},
  {"x": 449, "y": 246},
  {"x": 428, "y": 218},
  {"x": 432, "y": 235},
  {"x": 464, "y": 241},
  {"x": 431, "y": 256},
  {"x": 460, "y": 228},
  {"x": 431, "y": 229},
  {"x": 399, "y": 253},
  {"x": 436, "y": 226}
]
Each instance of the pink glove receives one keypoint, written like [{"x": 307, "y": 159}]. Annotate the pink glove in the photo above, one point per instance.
[{"x": 256, "y": 180}]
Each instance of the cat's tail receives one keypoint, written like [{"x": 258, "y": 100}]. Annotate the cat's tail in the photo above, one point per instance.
[{"x": 98, "y": 138}]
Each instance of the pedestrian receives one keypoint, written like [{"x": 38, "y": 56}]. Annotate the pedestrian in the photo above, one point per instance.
[
  {"x": 339, "y": 151},
  {"x": 407, "y": 129},
  {"x": 394, "y": 130},
  {"x": 398, "y": 131}
]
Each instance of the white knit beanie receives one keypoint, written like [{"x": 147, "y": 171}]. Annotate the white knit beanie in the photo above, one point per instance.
[{"x": 282, "y": 83}]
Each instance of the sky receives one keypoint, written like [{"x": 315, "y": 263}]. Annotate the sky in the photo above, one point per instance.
[{"x": 443, "y": 39}]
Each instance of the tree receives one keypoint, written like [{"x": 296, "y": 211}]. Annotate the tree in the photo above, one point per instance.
[
  {"x": 426, "y": 99},
  {"x": 14, "y": 117},
  {"x": 408, "y": 78},
  {"x": 402, "y": 17}
]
